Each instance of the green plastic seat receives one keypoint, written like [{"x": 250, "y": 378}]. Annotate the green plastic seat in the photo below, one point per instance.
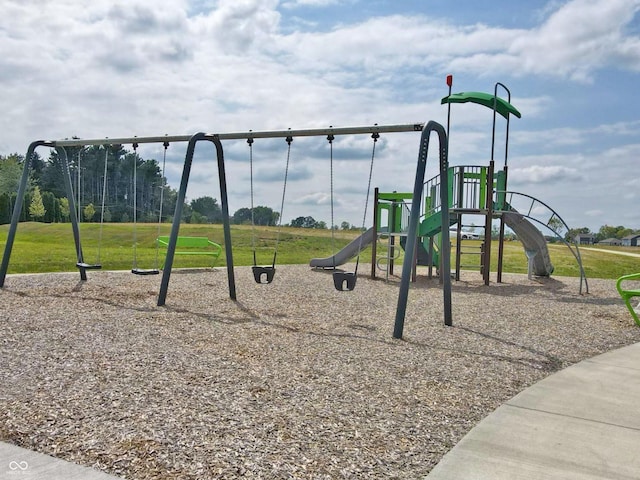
[{"x": 627, "y": 295}]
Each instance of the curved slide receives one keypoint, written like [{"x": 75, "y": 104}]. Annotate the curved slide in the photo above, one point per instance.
[
  {"x": 532, "y": 240},
  {"x": 347, "y": 253}
]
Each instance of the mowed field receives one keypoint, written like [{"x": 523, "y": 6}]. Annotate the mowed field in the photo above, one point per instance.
[{"x": 41, "y": 247}]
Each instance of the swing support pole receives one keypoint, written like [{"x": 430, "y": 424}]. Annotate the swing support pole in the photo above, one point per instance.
[
  {"x": 17, "y": 208},
  {"x": 175, "y": 227},
  {"x": 412, "y": 236}
]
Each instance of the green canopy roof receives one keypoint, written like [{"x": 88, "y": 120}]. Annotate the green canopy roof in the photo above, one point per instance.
[{"x": 503, "y": 107}]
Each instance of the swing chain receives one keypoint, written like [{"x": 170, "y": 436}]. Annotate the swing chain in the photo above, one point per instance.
[
  {"x": 331, "y": 138},
  {"x": 135, "y": 206},
  {"x": 289, "y": 139},
  {"x": 253, "y": 225},
  {"x": 374, "y": 136},
  {"x": 104, "y": 193},
  {"x": 162, "y": 186}
]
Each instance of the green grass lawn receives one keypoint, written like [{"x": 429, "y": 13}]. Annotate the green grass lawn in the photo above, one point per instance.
[{"x": 41, "y": 247}]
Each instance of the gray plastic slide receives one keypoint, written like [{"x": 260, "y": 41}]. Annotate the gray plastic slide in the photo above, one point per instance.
[
  {"x": 347, "y": 253},
  {"x": 533, "y": 241}
]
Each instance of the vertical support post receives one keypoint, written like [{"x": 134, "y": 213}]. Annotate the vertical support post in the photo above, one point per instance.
[
  {"x": 17, "y": 208},
  {"x": 175, "y": 227},
  {"x": 412, "y": 237},
  {"x": 66, "y": 174},
  {"x": 224, "y": 201},
  {"x": 392, "y": 238},
  {"x": 460, "y": 205},
  {"x": 487, "y": 226},
  {"x": 500, "y": 196},
  {"x": 374, "y": 244},
  {"x": 431, "y": 252}
]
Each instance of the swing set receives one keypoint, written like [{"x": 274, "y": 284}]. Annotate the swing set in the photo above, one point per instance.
[
  {"x": 81, "y": 263},
  {"x": 343, "y": 281},
  {"x": 265, "y": 273}
]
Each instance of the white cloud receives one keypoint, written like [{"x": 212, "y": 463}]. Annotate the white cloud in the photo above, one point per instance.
[
  {"x": 310, "y": 3},
  {"x": 172, "y": 66},
  {"x": 552, "y": 174},
  {"x": 577, "y": 39}
]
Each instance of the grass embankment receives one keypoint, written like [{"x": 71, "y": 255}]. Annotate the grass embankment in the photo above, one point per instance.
[{"x": 43, "y": 247}]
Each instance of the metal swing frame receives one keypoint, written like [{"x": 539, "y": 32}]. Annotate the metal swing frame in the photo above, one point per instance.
[{"x": 192, "y": 141}]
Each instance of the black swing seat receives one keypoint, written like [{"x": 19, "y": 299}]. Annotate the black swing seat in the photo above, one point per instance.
[
  {"x": 140, "y": 271},
  {"x": 88, "y": 266},
  {"x": 263, "y": 274},
  {"x": 344, "y": 281}
]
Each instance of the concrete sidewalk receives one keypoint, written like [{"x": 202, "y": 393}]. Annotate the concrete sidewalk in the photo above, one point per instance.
[
  {"x": 580, "y": 423},
  {"x": 19, "y": 463}
]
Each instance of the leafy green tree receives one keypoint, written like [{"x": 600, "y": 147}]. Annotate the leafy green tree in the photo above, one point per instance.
[
  {"x": 36, "y": 207},
  {"x": 51, "y": 206},
  {"x": 197, "y": 217},
  {"x": 51, "y": 178},
  {"x": 242, "y": 216},
  {"x": 89, "y": 212},
  {"x": 10, "y": 173},
  {"x": 5, "y": 208},
  {"x": 265, "y": 216},
  {"x": 261, "y": 216},
  {"x": 345, "y": 226},
  {"x": 306, "y": 222},
  {"x": 207, "y": 208},
  {"x": 608, "y": 231},
  {"x": 64, "y": 209}
]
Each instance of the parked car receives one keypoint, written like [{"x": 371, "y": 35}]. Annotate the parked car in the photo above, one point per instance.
[{"x": 464, "y": 234}]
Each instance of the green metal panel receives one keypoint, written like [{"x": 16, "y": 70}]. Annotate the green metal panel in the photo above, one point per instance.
[
  {"x": 394, "y": 196},
  {"x": 483, "y": 188},
  {"x": 473, "y": 175},
  {"x": 397, "y": 217},
  {"x": 450, "y": 179},
  {"x": 501, "y": 185},
  {"x": 432, "y": 225}
]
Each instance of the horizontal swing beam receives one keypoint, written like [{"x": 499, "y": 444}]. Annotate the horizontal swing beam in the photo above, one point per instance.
[{"x": 313, "y": 132}]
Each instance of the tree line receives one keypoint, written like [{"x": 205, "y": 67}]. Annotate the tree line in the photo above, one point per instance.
[{"x": 46, "y": 197}]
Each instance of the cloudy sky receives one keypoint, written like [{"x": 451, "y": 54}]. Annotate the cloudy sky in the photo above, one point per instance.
[{"x": 103, "y": 68}]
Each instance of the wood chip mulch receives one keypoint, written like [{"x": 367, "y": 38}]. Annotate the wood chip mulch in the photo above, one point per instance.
[{"x": 294, "y": 380}]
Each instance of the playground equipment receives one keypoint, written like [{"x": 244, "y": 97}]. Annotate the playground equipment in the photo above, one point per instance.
[
  {"x": 478, "y": 191},
  {"x": 192, "y": 140},
  {"x": 97, "y": 265},
  {"x": 346, "y": 280},
  {"x": 134, "y": 269},
  {"x": 628, "y": 294},
  {"x": 351, "y": 250},
  {"x": 194, "y": 246},
  {"x": 435, "y": 205},
  {"x": 265, "y": 274}
]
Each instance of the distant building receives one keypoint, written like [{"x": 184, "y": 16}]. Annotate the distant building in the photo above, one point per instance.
[
  {"x": 585, "y": 238},
  {"x": 610, "y": 241},
  {"x": 631, "y": 240}
]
